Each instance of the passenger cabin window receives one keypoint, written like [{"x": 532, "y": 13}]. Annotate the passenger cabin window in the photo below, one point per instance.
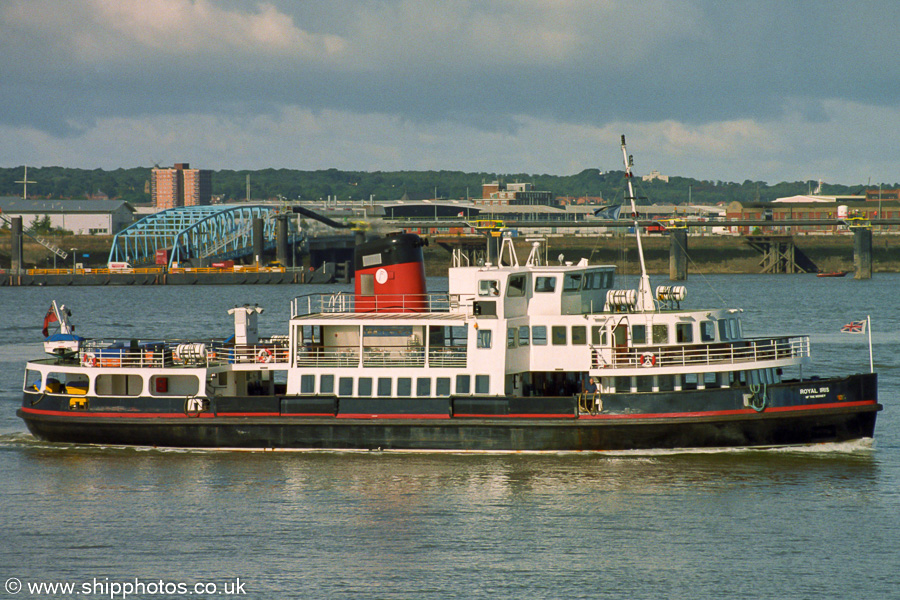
[
  {"x": 579, "y": 335},
  {"x": 523, "y": 335},
  {"x": 516, "y": 286},
  {"x": 462, "y": 384},
  {"x": 423, "y": 386},
  {"x": 661, "y": 334},
  {"x": 544, "y": 285},
  {"x": 723, "y": 329},
  {"x": 707, "y": 331},
  {"x": 384, "y": 386},
  {"x": 559, "y": 335},
  {"x": 326, "y": 384},
  {"x": 442, "y": 386},
  {"x": 488, "y": 287},
  {"x": 598, "y": 335},
  {"x": 307, "y": 384},
  {"x": 511, "y": 335},
  {"x": 539, "y": 335},
  {"x": 482, "y": 384},
  {"x": 572, "y": 282},
  {"x": 684, "y": 333},
  {"x": 638, "y": 334},
  {"x": 364, "y": 386},
  {"x": 345, "y": 386},
  {"x": 404, "y": 386}
]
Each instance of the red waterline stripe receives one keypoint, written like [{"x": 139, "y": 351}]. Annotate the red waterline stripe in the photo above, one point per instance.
[
  {"x": 126, "y": 415},
  {"x": 516, "y": 416},
  {"x": 725, "y": 413},
  {"x": 389, "y": 416},
  {"x": 207, "y": 415}
]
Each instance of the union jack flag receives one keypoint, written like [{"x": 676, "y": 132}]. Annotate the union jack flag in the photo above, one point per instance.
[{"x": 854, "y": 327}]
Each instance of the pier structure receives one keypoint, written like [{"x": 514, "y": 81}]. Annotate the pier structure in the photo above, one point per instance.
[
  {"x": 678, "y": 253},
  {"x": 780, "y": 254},
  {"x": 862, "y": 249}
]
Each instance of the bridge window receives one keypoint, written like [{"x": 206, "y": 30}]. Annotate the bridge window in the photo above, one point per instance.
[
  {"x": 488, "y": 287},
  {"x": 545, "y": 285},
  {"x": 516, "y": 286},
  {"x": 572, "y": 282},
  {"x": 707, "y": 331},
  {"x": 594, "y": 280}
]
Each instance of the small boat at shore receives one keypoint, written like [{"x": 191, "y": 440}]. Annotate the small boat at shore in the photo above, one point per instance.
[
  {"x": 527, "y": 356},
  {"x": 832, "y": 274}
]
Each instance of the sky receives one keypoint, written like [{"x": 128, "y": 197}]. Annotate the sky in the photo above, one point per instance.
[{"x": 715, "y": 90}]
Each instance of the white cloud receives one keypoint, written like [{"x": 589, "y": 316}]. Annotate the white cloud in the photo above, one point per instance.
[{"x": 100, "y": 32}]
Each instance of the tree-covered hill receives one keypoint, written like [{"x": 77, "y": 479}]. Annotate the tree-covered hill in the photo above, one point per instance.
[{"x": 133, "y": 185}]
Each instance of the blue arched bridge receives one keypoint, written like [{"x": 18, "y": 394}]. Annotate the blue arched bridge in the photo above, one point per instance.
[{"x": 202, "y": 234}]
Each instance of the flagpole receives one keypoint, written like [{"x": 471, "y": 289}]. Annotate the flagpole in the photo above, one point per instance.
[{"x": 869, "y": 329}]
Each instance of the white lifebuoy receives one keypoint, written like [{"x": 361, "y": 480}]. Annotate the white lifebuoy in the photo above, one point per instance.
[
  {"x": 648, "y": 359},
  {"x": 89, "y": 360},
  {"x": 264, "y": 356}
]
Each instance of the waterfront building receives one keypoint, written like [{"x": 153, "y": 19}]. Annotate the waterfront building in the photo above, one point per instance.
[
  {"x": 81, "y": 217},
  {"x": 500, "y": 194}
]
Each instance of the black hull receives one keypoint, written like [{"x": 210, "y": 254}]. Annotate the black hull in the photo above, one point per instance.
[
  {"x": 484, "y": 435},
  {"x": 520, "y": 434}
]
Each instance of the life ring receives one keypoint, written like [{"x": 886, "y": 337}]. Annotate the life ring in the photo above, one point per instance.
[
  {"x": 89, "y": 360},
  {"x": 264, "y": 356},
  {"x": 648, "y": 359}
]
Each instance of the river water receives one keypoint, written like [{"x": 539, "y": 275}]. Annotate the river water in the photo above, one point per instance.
[{"x": 819, "y": 522}]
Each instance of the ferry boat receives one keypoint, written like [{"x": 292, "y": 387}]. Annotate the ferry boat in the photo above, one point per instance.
[{"x": 515, "y": 356}]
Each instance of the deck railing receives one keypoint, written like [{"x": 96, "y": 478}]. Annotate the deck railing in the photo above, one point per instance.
[
  {"x": 180, "y": 353},
  {"x": 749, "y": 350}
]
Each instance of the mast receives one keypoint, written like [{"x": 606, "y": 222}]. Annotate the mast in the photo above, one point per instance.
[{"x": 645, "y": 301}]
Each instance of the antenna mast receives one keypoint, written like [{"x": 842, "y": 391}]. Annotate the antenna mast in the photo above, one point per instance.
[{"x": 645, "y": 301}]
